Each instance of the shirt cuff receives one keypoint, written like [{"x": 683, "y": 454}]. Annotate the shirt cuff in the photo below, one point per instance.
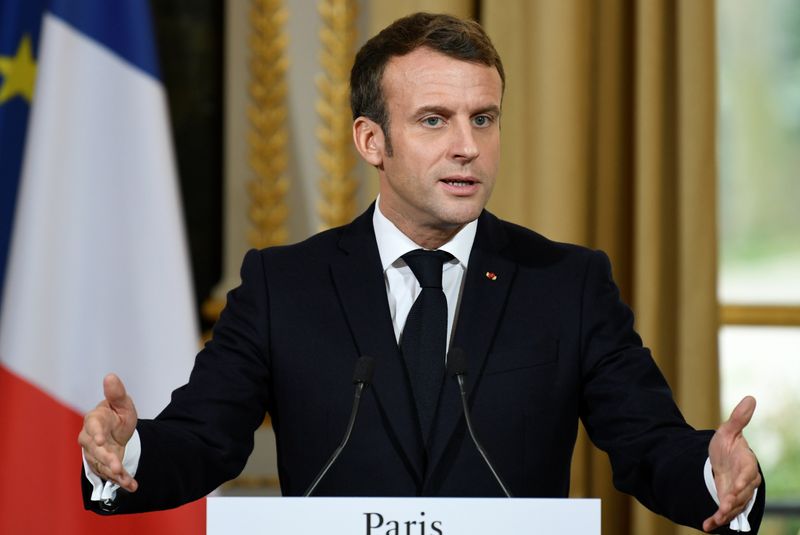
[
  {"x": 739, "y": 523},
  {"x": 107, "y": 490}
]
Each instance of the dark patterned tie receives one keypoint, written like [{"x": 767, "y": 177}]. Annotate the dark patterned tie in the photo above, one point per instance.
[{"x": 424, "y": 336}]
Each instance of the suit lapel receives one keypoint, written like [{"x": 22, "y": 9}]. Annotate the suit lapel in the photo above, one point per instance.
[
  {"x": 488, "y": 281},
  {"x": 361, "y": 289}
]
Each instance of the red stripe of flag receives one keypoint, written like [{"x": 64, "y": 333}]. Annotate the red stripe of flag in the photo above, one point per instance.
[{"x": 41, "y": 468}]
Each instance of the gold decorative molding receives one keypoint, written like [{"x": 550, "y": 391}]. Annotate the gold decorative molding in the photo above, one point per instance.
[
  {"x": 338, "y": 186},
  {"x": 268, "y": 134},
  {"x": 764, "y": 315}
]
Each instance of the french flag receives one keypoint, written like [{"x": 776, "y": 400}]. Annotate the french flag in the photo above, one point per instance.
[{"x": 96, "y": 276}]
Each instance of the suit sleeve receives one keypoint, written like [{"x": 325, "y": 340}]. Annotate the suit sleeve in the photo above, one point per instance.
[
  {"x": 629, "y": 412},
  {"x": 205, "y": 435}
]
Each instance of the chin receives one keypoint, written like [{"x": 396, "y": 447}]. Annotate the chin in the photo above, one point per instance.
[{"x": 463, "y": 215}]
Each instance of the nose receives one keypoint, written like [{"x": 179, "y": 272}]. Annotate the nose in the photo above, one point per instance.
[{"x": 464, "y": 147}]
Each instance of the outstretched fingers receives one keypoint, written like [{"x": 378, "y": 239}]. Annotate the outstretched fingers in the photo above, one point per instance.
[
  {"x": 735, "y": 466},
  {"x": 108, "y": 468},
  {"x": 106, "y": 431},
  {"x": 730, "y": 507},
  {"x": 105, "y": 461}
]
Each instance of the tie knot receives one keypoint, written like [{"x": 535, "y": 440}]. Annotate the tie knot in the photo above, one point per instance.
[{"x": 427, "y": 266}]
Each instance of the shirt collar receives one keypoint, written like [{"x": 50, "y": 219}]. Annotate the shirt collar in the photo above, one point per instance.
[{"x": 392, "y": 243}]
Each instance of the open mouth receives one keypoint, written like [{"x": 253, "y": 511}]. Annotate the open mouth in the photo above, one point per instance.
[{"x": 459, "y": 182}]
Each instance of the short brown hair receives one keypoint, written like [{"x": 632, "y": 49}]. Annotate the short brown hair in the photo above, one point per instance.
[{"x": 459, "y": 39}]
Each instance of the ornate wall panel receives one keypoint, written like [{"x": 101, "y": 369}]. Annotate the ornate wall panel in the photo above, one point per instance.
[
  {"x": 268, "y": 134},
  {"x": 338, "y": 185}
]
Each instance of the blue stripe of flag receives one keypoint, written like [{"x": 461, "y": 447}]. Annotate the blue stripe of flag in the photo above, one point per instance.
[
  {"x": 17, "y": 19},
  {"x": 123, "y": 26}
]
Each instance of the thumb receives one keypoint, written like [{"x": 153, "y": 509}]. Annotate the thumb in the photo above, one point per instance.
[
  {"x": 114, "y": 391},
  {"x": 741, "y": 415}
]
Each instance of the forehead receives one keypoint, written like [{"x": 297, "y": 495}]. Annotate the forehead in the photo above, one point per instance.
[{"x": 425, "y": 77}]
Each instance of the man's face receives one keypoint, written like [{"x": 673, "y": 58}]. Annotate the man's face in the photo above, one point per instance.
[{"x": 444, "y": 123}]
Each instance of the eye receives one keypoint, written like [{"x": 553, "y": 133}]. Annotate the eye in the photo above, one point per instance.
[
  {"x": 432, "y": 121},
  {"x": 482, "y": 120}
]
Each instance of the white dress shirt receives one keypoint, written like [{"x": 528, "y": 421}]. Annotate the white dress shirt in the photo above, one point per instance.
[{"x": 402, "y": 287}]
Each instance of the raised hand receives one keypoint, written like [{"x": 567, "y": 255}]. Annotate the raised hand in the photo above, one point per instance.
[
  {"x": 106, "y": 431},
  {"x": 734, "y": 464}
]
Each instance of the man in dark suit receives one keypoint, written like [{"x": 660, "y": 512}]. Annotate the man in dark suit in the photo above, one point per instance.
[{"x": 548, "y": 339}]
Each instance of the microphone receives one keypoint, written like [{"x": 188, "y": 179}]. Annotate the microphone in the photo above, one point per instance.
[
  {"x": 457, "y": 367},
  {"x": 362, "y": 377}
]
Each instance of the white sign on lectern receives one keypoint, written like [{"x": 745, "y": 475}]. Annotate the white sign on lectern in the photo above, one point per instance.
[{"x": 401, "y": 516}]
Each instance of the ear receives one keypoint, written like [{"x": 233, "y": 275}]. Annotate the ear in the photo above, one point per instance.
[{"x": 369, "y": 140}]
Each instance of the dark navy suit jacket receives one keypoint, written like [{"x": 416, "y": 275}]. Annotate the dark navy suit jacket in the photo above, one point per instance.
[{"x": 548, "y": 342}]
